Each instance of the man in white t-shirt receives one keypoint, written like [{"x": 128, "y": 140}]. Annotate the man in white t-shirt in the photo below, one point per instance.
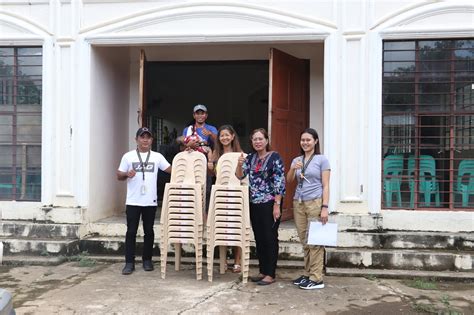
[{"x": 140, "y": 169}]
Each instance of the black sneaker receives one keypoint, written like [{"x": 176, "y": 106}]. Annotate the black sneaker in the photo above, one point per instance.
[
  {"x": 311, "y": 285},
  {"x": 300, "y": 280},
  {"x": 148, "y": 265},
  {"x": 128, "y": 269}
]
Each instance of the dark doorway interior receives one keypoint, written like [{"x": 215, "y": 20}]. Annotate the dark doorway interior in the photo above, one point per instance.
[{"x": 235, "y": 92}]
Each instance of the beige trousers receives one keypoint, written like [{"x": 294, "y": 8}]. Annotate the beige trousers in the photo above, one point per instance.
[{"x": 304, "y": 212}]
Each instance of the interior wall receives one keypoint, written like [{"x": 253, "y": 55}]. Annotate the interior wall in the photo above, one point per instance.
[
  {"x": 235, "y": 92},
  {"x": 312, "y": 51},
  {"x": 110, "y": 81}
]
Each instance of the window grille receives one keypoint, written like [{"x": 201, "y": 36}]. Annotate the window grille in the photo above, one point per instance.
[
  {"x": 20, "y": 123},
  {"x": 428, "y": 124}
]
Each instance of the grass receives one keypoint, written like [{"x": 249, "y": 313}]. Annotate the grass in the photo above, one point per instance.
[
  {"x": 424, "y": 308},
  {"x": 432, "y": 309},
  {"x": 422, "y": 284},
  {"x": 82, "y": 259}
]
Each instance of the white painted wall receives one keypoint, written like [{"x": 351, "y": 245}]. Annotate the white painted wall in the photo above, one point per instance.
[
  {"x": 261, "y": 51},
  {"x": 346, "y": 109},
  {"x": 109, "y": 129}
]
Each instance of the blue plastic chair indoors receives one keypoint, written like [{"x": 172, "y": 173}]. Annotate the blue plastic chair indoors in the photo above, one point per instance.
[
  {"x": 464, "y": 184},
  {"x": 392, "y": 178},
  {"x": 427, "y": 183}
]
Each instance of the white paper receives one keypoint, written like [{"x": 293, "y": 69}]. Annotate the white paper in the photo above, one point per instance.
[{"x": 322, "y": 235}]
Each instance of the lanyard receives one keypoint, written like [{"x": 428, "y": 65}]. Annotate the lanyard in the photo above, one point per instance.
[
  {"x": 303, "y": 169},
  {"x": 141, "y": 162}
]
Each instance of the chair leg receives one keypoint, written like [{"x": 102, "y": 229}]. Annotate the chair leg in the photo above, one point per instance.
[
  {"x": 399, "y": 197},
  {"x": 388, "y": 198},
  {"x": 222, "y": 259},
  {"x": 465, "y": 198},
  {"x": 164, "y": 258},
  {"x": 177, "y": 256},
  {"x": 412, "y": 196},
  {"x": 427, "y": 198}
]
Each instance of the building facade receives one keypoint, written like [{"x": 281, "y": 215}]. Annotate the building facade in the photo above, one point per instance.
[{"x": 389, "y": 86}]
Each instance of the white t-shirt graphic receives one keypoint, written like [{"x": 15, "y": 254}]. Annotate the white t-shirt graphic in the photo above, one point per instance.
[{"x": 131, "y": 161}]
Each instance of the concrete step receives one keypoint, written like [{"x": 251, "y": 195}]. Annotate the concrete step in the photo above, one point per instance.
[
  {"x": 38, "y": 230},
  {"x": 407, "y": 240},
  {"x": 110, "y": 246},
  {"x": 39, "y": 247},
  {"x": 20, "y": 260},
  {"x": 401, "y": 274},
  {"x": 406, "y": 259},
  {"x": 116, "y": 227}
]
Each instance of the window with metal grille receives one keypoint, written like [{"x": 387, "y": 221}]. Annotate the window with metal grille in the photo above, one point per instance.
[
  {"x": 20, "y": 123},
  {"x": 428, "y": 124}
]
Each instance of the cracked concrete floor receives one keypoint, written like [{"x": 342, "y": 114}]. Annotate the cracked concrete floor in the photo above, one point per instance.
[{"x": 101, "y": 289}]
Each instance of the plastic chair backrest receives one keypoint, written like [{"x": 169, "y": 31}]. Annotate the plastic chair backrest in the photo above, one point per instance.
[
  {"x": 226, "y": 166},
  {"x": 188, "y": 168},
  {"x": 427, "y": 166},
  {"x": 393, "y": 165},
  {"x": 466, "y": 174}
]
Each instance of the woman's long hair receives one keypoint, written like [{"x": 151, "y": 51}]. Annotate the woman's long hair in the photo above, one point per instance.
[
  {"x": 315, "y": 136},
  {"x": 235, "y": 144},
  {"x": 265, "y": 135}
]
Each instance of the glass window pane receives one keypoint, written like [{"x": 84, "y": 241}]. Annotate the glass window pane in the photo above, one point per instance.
[
  {"x": 419, "y": 128},
  {"x": 408, "y": 45},
  {"x": 20, "y": 123}
]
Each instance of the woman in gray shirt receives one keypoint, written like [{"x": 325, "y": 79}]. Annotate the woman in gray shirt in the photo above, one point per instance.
[{"x": 312, "y": 171}]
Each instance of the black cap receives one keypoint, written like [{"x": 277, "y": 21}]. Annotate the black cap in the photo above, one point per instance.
[{"x": 142, "y": 131}]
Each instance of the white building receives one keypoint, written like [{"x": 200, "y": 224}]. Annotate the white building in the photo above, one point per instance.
[{"x": 375, "y": 78}]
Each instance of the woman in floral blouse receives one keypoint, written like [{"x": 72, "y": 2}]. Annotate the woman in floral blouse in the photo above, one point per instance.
[{"x": 267, "y": 188}]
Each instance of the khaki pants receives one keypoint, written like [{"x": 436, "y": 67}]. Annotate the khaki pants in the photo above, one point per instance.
[{"x": 304, "y": 212}]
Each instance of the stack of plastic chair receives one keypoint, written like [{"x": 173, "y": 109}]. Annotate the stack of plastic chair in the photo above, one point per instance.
[
  {"x": 427, "y": 183},
  {"x": 392, "y": 178},
  {"x": 182, "y": 210},
  {"x": 228, "y": 222},
  {"x": 464, "y": 184}
]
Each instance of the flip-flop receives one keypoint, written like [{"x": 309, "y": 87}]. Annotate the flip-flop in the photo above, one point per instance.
[
  {"x": 236, "y": 269},
  {"x": 261, "y": 282},
  {"x": 256, "y": 278}
]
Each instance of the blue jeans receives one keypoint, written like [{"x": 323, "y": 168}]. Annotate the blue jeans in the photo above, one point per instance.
[{"x": 133, "y": 220}]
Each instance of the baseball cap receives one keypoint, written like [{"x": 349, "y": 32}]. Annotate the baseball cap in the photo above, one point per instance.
[
  {"x": 142, "y": 131},
  {"x": 199, "y": 107}
]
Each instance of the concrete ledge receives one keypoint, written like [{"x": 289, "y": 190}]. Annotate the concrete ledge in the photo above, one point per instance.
[
  {"x": 34, "y": 211},
  {"x": 20, "y": 260},
  {"x": 407, "y": 240},
  {"x": 40, "y": 247},
  {"x": 399, "y": 259},
  {"x": 437, "y": 221},
  {"x": 16, "y": 229}
]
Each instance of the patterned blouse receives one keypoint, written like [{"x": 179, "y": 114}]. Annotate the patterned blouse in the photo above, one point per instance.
[{"x": 267, "y": 176}]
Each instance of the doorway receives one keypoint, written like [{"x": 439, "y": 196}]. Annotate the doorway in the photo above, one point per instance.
[
  {"x": 234, "y": 92},
  {"x": 273, "y": 94}
]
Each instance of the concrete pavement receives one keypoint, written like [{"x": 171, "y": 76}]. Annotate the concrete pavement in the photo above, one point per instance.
[{"x": 101, "y": 289}]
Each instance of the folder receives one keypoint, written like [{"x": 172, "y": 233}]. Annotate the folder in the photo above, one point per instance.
[{"x": 322, "y": 235}]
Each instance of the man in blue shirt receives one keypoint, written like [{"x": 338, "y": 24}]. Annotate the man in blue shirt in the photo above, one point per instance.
[{"x": 199, "y": 135}]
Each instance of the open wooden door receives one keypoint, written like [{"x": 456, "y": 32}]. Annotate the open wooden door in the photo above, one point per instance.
[
  {"x": 289, "y": 111},
  {"x": 141, "y": 112}
]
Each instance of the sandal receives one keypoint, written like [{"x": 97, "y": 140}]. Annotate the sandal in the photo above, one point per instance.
[{"x": 236, "y": 269}]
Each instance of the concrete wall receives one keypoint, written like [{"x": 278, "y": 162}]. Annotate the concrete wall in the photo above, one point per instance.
[
  {"x": 109, "y": 130},
  {"x": 344, "y": 38}
]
